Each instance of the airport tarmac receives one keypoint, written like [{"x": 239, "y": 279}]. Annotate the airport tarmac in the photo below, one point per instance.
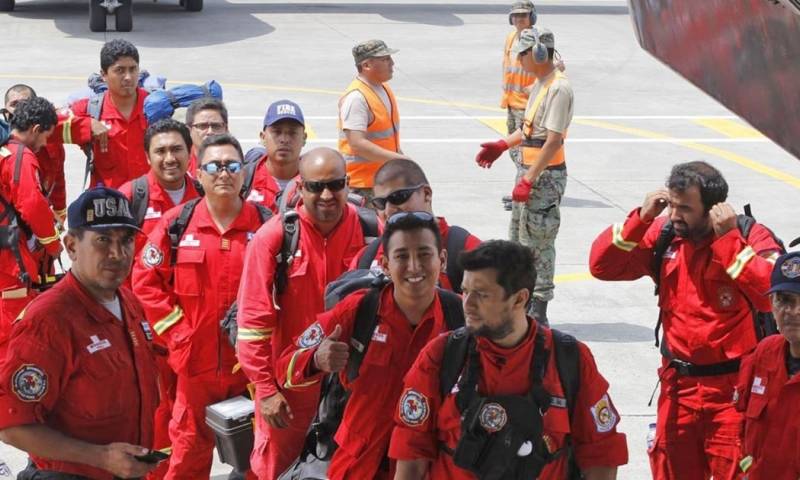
[{"x": 634, "y": 119}]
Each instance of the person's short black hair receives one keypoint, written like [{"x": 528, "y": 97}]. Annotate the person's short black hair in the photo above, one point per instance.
[
  {"x": 34, "y": 111},
  {"x": 206, "y": 103},
  {"x": 217, "y": 140},
  {"x": 116, "y": 49},
  {"x": 408, "y": 171},
  {"x": 407, "y": 221},
  {"x": 712, "y": 185},
  {"x": 167, "y": 125},
  {"x": 512, "y": 262},
  {"x": 20, "y": 87}
]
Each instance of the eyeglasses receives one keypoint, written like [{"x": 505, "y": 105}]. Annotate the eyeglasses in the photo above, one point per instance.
[
  {"x": 400, "y": 216},
  {"x": 214, "y": 126},
  {"x": 320, "y": 186},
  {"x": 215, "y": 168},
  {"x": 398, "y": 197}
]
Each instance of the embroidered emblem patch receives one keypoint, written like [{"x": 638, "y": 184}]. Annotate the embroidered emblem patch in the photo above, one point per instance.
[
  {"x": 791, "y": 268},
  {"x": 413, "y": 408},
  {"x": 726, "y": 296},
  {"x": 605, "y": 418},
  {"x": 151, "y": 214},
  {"x": 152, "y": 256},
  {"x": 29, "y": 383},
  {"x": 493, "y": 417},
  {"x": 311, "y": 337}
]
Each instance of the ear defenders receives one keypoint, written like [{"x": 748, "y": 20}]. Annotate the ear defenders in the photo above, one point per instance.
[{"x": 532, "y": 15}]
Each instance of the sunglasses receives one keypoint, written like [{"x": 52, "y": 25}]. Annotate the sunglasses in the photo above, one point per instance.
[
  {"x": 215, "y": 167},
  {"x": 214, "y": 126},
  {"x": 320, "y": 186},
  {"x": 400, "y": 216},
  {"x": 398, "y": 197}
]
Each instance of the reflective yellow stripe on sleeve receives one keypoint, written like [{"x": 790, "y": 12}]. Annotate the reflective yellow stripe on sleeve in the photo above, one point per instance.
[
  {"x": 290, "y": 372},
  {"x": 253, "y": 334},
  {"x": 741, "y": 260},
  {"x": 773, "y": 257},
  {"x": 165, "y": 323},
  {"x": 49, "y": 240},
  {"x": 66, "y": 132},
  {"x": 618, "y": 241}
]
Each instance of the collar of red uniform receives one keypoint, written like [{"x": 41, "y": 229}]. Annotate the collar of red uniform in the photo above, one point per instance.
[
  {"x": 244, "y": 221},
  {"x": 110, "y": 110},
  {"x": 432, "y": 313},
  {"x": 97, "y": 312},
  {"x": 158, "y": 192},
  {"x": 487, "y": 346}
]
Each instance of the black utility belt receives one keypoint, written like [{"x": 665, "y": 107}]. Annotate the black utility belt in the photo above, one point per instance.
[
  {"x": 691, "y": 370},
  {"x": 534, "y": 142}
]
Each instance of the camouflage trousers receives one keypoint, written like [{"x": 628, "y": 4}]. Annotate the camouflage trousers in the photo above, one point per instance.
[
  {"x": 514, "y": 121},
  {"x": 535, "y": 225}
]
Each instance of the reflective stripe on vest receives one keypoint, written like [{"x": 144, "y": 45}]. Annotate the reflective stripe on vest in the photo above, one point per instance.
[
  {"x": 531, "y": 154},
  {"x": 383, "y": 131},
  {"x": 516, "y": 80}
]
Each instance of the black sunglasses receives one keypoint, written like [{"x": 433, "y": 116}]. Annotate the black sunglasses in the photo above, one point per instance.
[
  {"x": 215, "y": 167},
  {"x": 398, "y": 197},
  {"x": 320, "y": 186},
  {"x": 400, "y": 216}
]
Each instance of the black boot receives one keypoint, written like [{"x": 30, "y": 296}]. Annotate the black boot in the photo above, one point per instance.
[{"x": 538, "y": 310}]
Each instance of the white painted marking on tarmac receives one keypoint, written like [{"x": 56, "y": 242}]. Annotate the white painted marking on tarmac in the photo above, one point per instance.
[
  {"x": 485, "y": 117},
  {"x": 571, "y": 140}
]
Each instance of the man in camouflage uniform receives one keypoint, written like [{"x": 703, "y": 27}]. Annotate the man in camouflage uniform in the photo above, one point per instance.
[{"x": 542, "y": 171}]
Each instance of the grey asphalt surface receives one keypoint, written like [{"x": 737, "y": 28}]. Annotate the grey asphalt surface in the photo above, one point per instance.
[{"x": 635, "y": 118}]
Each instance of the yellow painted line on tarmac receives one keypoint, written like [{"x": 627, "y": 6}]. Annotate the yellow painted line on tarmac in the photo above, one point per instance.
[
  {"x": 729, "y": 128},
  {"x": 572, "y": 277},
  {"x": 497, "y": 124},
  {"x": 310, "y": 132}
]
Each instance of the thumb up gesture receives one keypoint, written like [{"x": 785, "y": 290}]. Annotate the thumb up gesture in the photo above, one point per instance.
[{"x": 332, "y": 355}]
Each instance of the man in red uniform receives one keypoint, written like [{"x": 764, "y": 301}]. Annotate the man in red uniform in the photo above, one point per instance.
[
  {"x": 711, "y": 277},
  {"x": 284, "y": 136},
  {"x": 205, "y": 117},
  {"x": 28, "y": 224},
  {"x": 401, "y": 186},
  {"x": 330, "y": 236},
  {"x": 410, "y": 314},
  {"x": 186, "y": 290},
  {"x": 78, "y": 387},
  {"x": 122, "y": 110},
  {"x": 508, "y": 356},
  {"x": 769, "y": 385}
]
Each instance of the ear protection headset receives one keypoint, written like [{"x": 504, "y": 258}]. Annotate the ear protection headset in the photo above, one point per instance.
[
  {"x": 532, "y": 14},
  {"x": 538, "y": 50}
]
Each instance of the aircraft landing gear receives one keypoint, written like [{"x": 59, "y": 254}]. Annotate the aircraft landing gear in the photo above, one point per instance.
[{"x": 98, "y": 9}]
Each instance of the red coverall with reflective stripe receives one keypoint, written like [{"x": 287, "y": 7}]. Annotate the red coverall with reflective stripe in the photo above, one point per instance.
[
  {"x": 77, "y": 369},
  {"x": 266, "y": 329},
  {"x": 125, "y": 158},
  {"x": 706, "y": 292},
  {"x": 367, "y": 422},
  {"x": 70, "y": 129},
  {"x": 185, "y": 304},
  {"x": 769, "y": 399},
  {"x": 431, "y": 420}
]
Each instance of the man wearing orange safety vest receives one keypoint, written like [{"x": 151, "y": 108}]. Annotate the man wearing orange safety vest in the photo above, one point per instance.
[
  {"x": 542, "y": 173},
  {"x": 369, "y": 121}
]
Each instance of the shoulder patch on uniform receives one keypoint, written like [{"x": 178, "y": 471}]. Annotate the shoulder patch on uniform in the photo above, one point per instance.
[
  {"x": 29, "y": 383},
  {"x": 152, "y": 256},
  {"x": 493, "y": 417},
  {"x": 605, "y": 418},
  {"x": 414, "y": 408},
  {"x": 311, "y": 337}
]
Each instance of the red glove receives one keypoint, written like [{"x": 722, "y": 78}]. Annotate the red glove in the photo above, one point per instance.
[
  {"x": 522, "y": 190},
  {"x": 490, "y": 151}
]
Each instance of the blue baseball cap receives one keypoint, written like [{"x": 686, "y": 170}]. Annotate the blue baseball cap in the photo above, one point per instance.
[
  {"x": 786, "y": 274},
  {"x": 100, "y": 208},
  {"x": 282, "y": 110}
]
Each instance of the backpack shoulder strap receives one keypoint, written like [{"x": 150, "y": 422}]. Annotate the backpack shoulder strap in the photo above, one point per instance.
[
  {"x": 249, "y": 175},
  {"x": 18, "y": 162},
  {"x": 567, "y": 356},
  {"x": 95, "y": 106},
  {"x": 453, "y": 309},
  {"x": 140, "y": 198},
  {"x": 178, "y": 226},
  {"x": 453, "y": 359},
  {"x": 264, "y": 213},
  {"x": 369, "y": 254},
  {"x": 291, "y": 239},
  {"x": 665, "y": 237},
  {"x": 365, "y": 322},
  {"x": 456, "y": 239},
  {"x": 369, "y": 222}
]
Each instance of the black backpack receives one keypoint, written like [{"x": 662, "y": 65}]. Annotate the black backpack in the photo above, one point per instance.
[
  {"x": 763, "y": 322},
  {"x": 140, "y": 199},
  {"x": 456, "y": 238},
  {"x": 320, "y": 445}
]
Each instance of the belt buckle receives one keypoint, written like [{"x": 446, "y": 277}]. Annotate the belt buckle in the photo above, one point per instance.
[{"x": 680, "y": 366}]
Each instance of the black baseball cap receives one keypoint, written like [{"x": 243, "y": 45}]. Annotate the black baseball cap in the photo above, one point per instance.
[
  {"x": 786, "y": 274},
  {"x": 101, "y": 208}
]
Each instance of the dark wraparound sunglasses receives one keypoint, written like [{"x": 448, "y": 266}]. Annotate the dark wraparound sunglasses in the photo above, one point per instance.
[
  {"x": 400, "y": 216},
  {"x": 215, "y": 168},
  {"x": 398, "y": 197},
  {"x": 320, "y": 186}
]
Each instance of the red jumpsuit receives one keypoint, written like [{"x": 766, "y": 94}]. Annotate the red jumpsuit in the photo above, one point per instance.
[
  {"x": 367, "y": 423},
  {"x": 185, "y": 304},
  {"x": 158, "y": 203},
  {"x": 34, "y": 210},
  {"x": 70, "y": 129},
  {"x": 707, "y": 289},
  {"x": 506, "y": 372},
  {"x": 74, "y": 367},
  {"x": 444, "y": 281},
  {"x": 265, "y": 188},
  {"x": 125, "y": 158},
  {"x": 769, "y": 399},
  {"x": 266, "y": 329}
]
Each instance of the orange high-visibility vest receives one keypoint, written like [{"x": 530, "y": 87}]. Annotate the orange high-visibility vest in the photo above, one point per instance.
[
  {"x": 384, "y": 131},
  {"x": 515, "y": 79},
  {"x": 532, "y": 147}
]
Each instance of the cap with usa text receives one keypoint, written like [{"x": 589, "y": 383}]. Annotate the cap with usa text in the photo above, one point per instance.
[{"x": 101, "y": 208}]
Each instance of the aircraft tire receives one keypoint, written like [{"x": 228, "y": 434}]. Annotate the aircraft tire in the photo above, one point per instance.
[
  {"x": 193, "y": 5},
  {"x": 97, "y": 16},
  {"x": 124, "y": 17}
]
